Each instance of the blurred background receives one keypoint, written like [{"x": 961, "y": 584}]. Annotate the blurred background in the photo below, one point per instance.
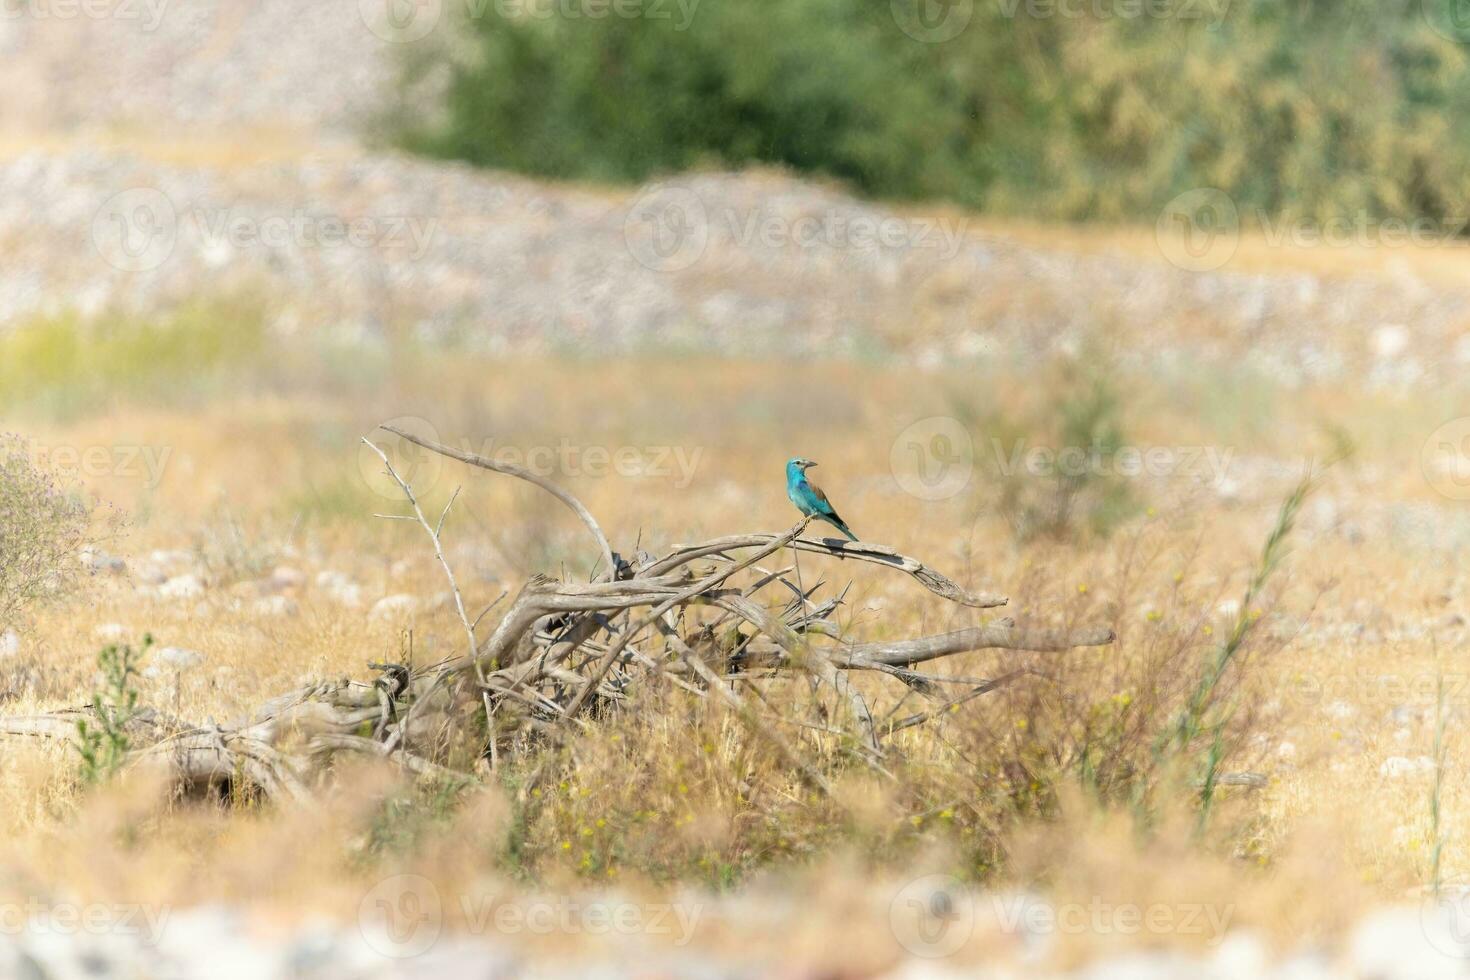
[{"x": 1067, "y": 296}]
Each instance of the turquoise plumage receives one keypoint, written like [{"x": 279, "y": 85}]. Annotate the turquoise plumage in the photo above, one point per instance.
[{"x": 809, "y": 498}]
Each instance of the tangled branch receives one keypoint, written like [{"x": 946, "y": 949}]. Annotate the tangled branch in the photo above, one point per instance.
[{"x": 701, "y": 618}]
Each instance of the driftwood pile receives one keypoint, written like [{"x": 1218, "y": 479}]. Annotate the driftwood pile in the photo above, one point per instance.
[{"x": 706, "y": 618}]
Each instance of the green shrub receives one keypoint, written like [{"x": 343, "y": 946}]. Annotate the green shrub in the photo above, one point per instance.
[
  {"x": 42, "y": 529},
  {"x": 1079, "y": 425},
  {"x": 103, "y": 745},
  {"x": 67, "y": 363},
  {"x": 1298, "y": 110},
  {"x": 818, "y": 86}
]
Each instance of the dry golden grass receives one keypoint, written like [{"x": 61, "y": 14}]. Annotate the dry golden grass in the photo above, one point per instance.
[{"x": 675, "y": 794}]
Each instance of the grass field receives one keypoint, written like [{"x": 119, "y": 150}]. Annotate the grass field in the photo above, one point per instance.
[{"x": 230, "y": 480}]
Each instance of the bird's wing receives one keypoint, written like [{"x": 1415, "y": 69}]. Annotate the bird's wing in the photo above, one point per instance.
[{"x": 823, "y": 504}]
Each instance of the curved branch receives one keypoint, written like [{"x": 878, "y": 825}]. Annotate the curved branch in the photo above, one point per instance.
[
  {"x": 903, "y": 653},
  {"x": 703, "y": 585},
  {"x": 879, "y": 554},
  {"x": 475, "y": 459}
]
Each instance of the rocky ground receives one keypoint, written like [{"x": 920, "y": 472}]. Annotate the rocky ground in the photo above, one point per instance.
[
  {"x": 1403, "y": 943},
  {"x": 193, "y": 145},
  {"x": 353, "y": 245}
]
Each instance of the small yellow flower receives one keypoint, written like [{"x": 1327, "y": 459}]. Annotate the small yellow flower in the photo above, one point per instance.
[
  {"x": 1082, "y": 589},
  {"x": 566, "y": 845}
]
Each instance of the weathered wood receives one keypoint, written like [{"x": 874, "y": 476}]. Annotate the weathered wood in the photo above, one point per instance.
[
  {"x": 836, "y": 548},
  {"x": 564, "y": 649}
]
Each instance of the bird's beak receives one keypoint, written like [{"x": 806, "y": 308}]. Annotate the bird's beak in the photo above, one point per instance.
[{"x": 810, "y": 464}]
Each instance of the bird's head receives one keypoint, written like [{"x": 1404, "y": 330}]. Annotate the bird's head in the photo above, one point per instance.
[{"x": 799, "y": 464}]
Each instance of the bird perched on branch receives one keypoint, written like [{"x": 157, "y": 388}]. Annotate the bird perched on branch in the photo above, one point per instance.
[{"x": 809, "y": 498}]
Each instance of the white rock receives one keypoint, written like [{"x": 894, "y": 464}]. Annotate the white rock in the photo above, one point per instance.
[
  {"x": 178, "y": 658},
  {"x": 1240, "y": 954},
  {"x": 1389, "y": 341},
  {"x": 1398, "y": 765},
  {"x": 1407, "y": 944},
  {"x": 56, "y": 951},
  {"x": 1304, "y": 966},
  {"x": 150, "y": 574},
  {"x": 1141, "y": 966},
  {"x": 340, "y": 588},
  {"x": 286, "y": 577},
  {"x": 275, "y": 605},
  {"x": 395, "y": 607},
  {"x": 9, "y": 644},
  {"x": 110, "y": 632},
  {"x": 216, "y": 941},
  {"x": 171, "y": 559},
  {"x": 96, "y": 560},
  {"x": 187, "y": 586}
]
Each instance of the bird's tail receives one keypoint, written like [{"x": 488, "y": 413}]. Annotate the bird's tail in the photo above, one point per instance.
[{"x": 838, "y": 523}]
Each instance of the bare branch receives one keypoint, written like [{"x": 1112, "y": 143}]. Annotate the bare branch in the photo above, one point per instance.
[
  {"x": 474, "y": 459},
  {"x": 835, "y": 548}
]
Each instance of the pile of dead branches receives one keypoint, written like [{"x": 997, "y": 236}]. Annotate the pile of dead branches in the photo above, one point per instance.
[{"x": 703, "y": 618}]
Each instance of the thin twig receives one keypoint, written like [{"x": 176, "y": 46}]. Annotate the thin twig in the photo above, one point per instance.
[{"x": 474, "y": 459}]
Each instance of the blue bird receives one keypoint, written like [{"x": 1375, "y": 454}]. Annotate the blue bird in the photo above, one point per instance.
[{"x": 809, "y": 498}]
